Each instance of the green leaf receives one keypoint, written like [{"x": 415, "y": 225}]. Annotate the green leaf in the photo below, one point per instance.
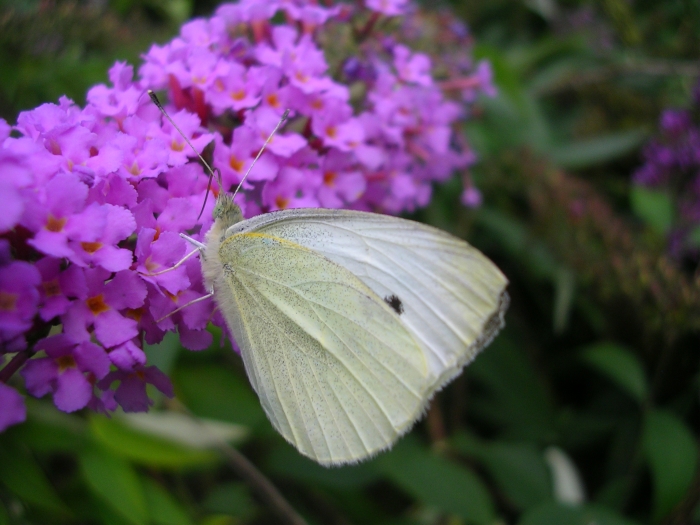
[
  {"x": 144, "y": 448},
  {"x": 214, "y": 392},
  {"x": 591, "y": 152},
  {"x": 513, "y": 397},
  {"x": 514, "y": 237},
  {"x": 521, "y": 472},
  {"x": 286, "y": 462},
  {"x": 436, "y": 482},
  {"x": 550, "y": 77},
  {"x": 178, "y": 11},
  {"x": 219, "y": 520},
  {"x": 114, "y": 482},
  {"x": 4, "y": 517},
  {"x": 23, "y": 476},
  {"x": 512, "y": 122},
  {"x": 615, "y": 492},
  {"x": 620, "y": 365},
  {"x": 654, "y": 207},
  {"x": 164, "y": 354},
  {"x": 672, "y": 454},
  {"x": 564, "y": 286},
  {"x": 518, "y": 469},
  {"x": 694, "y": 237},
  {"x": 232, "y": 499},
  {"x": 559, "y": 514},
  {"x": 107, "y": 515},
  {"x": 163, "y": 509}
]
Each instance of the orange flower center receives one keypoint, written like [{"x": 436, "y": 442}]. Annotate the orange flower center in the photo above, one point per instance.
[
  {"x": 329, "y": 178},
  {"x": 55, "y": 225},
  {"x": 65, "y": 361},
  {"x": 91, "y": 247},
  {"x": 8, "y": 301},
  {"x": 282, "y": 202},
  {"x": 301, "y": 77},
  {"x": 273, "y": 100},
  {"x": 150, "y": 265},
  {"x": 53, "y": 147},
  {"x": 97, "y": 304},
  {"x": 134, "y": 313},
  {"x": 51, "y": 288},
  {"x": 235, "y": 163}
]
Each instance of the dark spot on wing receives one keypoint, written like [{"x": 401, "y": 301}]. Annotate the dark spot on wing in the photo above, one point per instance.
[{"x": 394, "y": 301}]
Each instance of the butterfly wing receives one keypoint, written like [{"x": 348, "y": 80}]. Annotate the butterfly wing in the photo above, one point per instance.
[
  {"x": 337, "y": 373},
  {"x": 451, "y": 297}
]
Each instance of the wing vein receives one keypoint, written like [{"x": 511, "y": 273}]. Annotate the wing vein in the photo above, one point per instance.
[
  {"x": 374, "y": 336},
  {"x": 369, "y": 369},
  {"x": 318, "y": 419},
  {"x": 332, "y": 413},
  {"x": 285, "y": 409},
  {"x": 435, "y": 278}
]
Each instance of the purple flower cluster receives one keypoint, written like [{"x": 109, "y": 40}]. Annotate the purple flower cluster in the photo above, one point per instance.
[
  {"x": 94, "y": 198},
  {"x": 672, "y": 163}
]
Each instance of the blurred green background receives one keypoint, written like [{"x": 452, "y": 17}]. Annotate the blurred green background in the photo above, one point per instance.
[{"x": 584, "y": 410}]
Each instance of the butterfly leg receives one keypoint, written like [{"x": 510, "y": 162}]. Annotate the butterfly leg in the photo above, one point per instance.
[
  {"x": 201, "y": 247},
  {"x": 178, "y": 263},
  {"x": 198, "y": 299}
]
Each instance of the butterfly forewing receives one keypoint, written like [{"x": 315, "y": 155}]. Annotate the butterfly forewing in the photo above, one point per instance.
[
  {"x": 451, "y": 297},
  {"x": 336, "y": 370}
]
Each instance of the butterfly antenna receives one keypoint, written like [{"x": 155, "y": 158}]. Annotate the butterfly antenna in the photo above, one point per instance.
[
  {"x": 211, "y": 171},
  {"x": 267, "y": 141}
]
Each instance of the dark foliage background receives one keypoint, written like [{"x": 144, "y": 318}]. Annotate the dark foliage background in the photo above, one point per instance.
[{"x": 595, "y": 378}]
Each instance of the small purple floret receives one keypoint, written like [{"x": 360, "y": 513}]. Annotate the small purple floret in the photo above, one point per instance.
[{"x": 94, "y": 198}]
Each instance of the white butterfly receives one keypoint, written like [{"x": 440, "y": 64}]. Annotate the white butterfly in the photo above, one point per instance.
[{"x": 348, "y": 322}]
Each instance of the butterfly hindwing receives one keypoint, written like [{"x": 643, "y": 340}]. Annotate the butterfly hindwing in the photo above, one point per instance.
[{"x": 336, "y": 370}]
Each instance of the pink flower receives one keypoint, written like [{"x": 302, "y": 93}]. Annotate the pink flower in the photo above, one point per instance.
[
  {"x": 471, "y": 197},
  {"x": 413, "y": 68},
  {"x": 13, "y": 410},
  {"x": 235, "y": 160},
  {"x": 293, "y": 188},
  {"x": 388, "y": 7},
  {"x": 341, "y": 184},
  {"x": 95, "y": 198},
  {"x": 19, "y": 301},
  {"x": 131, "y": 392},
  {"x": 68, "y": 371},
  {"x": 102, "y": 308},
  {"x": 238, "y": 88},
  {"x": 59, "y": 287},
  {"x": 120, "y": 101},
  {"x": 337, "y": 129}
]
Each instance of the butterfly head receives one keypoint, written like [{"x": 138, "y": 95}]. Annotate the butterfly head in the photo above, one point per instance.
[{"x": 226, "y": 212}]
